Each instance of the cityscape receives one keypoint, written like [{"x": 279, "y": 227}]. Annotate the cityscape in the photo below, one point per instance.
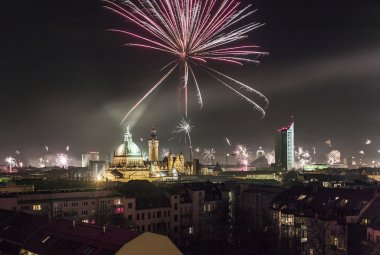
[{"x": 190, "y": 127}]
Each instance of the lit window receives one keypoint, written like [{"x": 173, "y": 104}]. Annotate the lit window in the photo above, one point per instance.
[
  {"x": 336, "y": 198},
  {"x": 36, "y": 207},
  {"x": 191, "y": 230}
]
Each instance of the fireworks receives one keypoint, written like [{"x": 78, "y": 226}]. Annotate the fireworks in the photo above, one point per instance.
[
  {"x": 328, "y": 142},
  {"x": 165, "y": 152},
  {"x": 62, "y": 160},
  {"x": 184, "y": 127},
  {"x": 368, "y": 142},
  {"x": 228, "y": 141},
  {"x": 193, "y": 32},
  {"x": 361, "y": 152},
  {"x": 46, "y": 148},
  {"x": 67, "y": 148},
  {"x": 378, "y": 151},
  {"x": 241, "y": 152},
  {"x": 333, "y": 157},
  {"x": 17, "y": 152},
  {"x": 197, "y": 150},
  {"x": 11, "y": 161},
  {"x": 209, "y": 154},
  {"x": 303, "y": 157},
  {"x": 314, "y": 150}
]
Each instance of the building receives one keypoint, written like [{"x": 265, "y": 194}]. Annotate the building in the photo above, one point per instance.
[
  {"x": 284, "y": 147},
  {"x": 83, "y": 205},
  {"x": 28, "y": 234},
  {"x": 90, "y": 156},
  {"x": 313, "y": 220},
  {"x": 128, "y": 162}
]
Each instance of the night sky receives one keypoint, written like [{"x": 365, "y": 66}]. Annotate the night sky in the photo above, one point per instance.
[{"x": 65, "y": 80}]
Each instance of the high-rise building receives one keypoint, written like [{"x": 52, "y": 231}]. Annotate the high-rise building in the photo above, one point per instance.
[
  {"x": 90, "y": 156},
  {"x": 153, "y": 143},
  {"x": 285, "y": 147}
]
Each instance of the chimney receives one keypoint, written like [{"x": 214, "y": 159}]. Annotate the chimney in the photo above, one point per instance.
[{"x": 73, "y": 223}]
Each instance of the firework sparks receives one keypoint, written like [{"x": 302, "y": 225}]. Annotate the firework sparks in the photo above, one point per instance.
[
  {"x": 333, "y": 157},
  {"x": 314, "y": 150},
  {"x": 193, "y": 32},
  {"x": 183, "y": 127},
  {"x": 378, "y": 151},
  {"x": 361, "y": 152},
  {"x": 303, "y": 157},
  {"x": 228, "y": 141},
  {"x": 197, "y": 150},
  {"x": 328, "y": 142},
  {"x": 62, "y": 160},
  {"x": 368, "y": 142},
  {"x": 67, "y": 148},
  {"x": 209, "y": 154},
  {"x": 46, "y": 148},
  {"x": 165, "y": 152},
  {"x": 11, "y": 161},
  {"x": 17, "y": 152},
  {"x": 241, "y": 152}
]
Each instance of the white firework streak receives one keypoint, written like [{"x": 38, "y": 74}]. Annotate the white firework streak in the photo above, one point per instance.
[
  {"x": 11, "y": 161},
  {"x": 361, "y": 152},
  {"x": 183, "y": 127},
  {"x": 165, "y": 152},
  {"x": 328, "y": 142},
  {"x": 228, "y": 141},
  {"x": 368, "y": 142}
]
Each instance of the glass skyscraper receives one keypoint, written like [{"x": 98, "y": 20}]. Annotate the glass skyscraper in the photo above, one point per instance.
[{"x": 285, "y": 147}]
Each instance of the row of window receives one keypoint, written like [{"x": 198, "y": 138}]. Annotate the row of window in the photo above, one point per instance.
[{"x": 153, "y": 215}]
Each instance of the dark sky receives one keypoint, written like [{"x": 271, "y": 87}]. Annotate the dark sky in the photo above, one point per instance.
[{"x": 66, "y": 81}]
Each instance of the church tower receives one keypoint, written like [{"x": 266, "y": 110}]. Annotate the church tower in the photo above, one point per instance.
[{"x": 153, "y": 143}]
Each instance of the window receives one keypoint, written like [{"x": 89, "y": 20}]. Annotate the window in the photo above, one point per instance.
[
  {"x": 85, "y": 203},
  {"x": 37, "y": 208},
  {"x": 74, "y": 204},
  {"x": 130, "y": 205},
  {"x": 142, "y": 216},
  {"x": 93, "y": 203},
  {"x": 154, "y": 215},
  {"x": 301, "y": 197},
  {"x": 143, "y": 228},
  {"x": 164, "y": 213},
  {"x": 65, "y": 205},
  {"x": 84, "y": 212},
  {"x": 149, "y": 215},
  {"x": 175, "y": 206},
  {"x": 158, "y": 214},
  {"x": 175, "y": 218},
  {"x": 138, "y": 216},
  {"x": 130, "y": 217}
]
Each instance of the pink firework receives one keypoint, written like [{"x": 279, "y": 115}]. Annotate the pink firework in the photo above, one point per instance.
[{"x": 194, "y": 32}]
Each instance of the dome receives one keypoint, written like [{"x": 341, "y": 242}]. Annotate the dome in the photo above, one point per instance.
[{"x": 128, "y": 148}]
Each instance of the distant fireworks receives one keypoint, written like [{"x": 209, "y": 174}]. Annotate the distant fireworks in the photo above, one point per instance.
[
  {"x": 361, "y": 152},
  {"x": 209, "y": 154},
  {"x": 241, "y": 152},
  {"x": 46, "y": 148},
  {"x": 193, "y": 32},
  {"x": 228, "y": 141},
  {"x": 368, "y": 142},
  {"x": 62, "y": 160},
  {"x": 302, "y": 157},
  {"x": 328, "y": 142},
  {"x": 197, "y": 150},
  {"x": 67, "y": 148},
  {"x": 11, "y": 161},
  {"x": 165, "y": 152},
  {"x": 183, "y": 127},
  {"x": 334, "y": 157}
]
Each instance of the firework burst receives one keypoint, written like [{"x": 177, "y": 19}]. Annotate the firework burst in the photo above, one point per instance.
[
  {"x": 11, "y": 161},
  {"x": 183, "y": 127},
  {"x": 209, "y": 154},
  {"x": 193, "y": 32},
  {"x": 62, "y": 160},
  {"x": 241, "y": 152}
]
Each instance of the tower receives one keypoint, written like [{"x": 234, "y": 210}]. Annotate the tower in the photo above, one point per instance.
[
  {"x": 285, "y": 147},
  {"x": 153, "y": 144}
]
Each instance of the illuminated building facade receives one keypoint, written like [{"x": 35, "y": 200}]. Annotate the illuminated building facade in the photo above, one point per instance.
[{"x": 285, "y": 147}]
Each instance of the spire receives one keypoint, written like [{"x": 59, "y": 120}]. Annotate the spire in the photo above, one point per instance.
[
  {"x": 128, "y": 135},
  {"x": 153, "y": 133}
]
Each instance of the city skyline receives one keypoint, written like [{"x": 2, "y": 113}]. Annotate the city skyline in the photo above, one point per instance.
[{"x": 69, "y": 82}]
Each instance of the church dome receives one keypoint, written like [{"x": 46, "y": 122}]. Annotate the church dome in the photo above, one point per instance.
[{"x": 128, "y": 148}]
